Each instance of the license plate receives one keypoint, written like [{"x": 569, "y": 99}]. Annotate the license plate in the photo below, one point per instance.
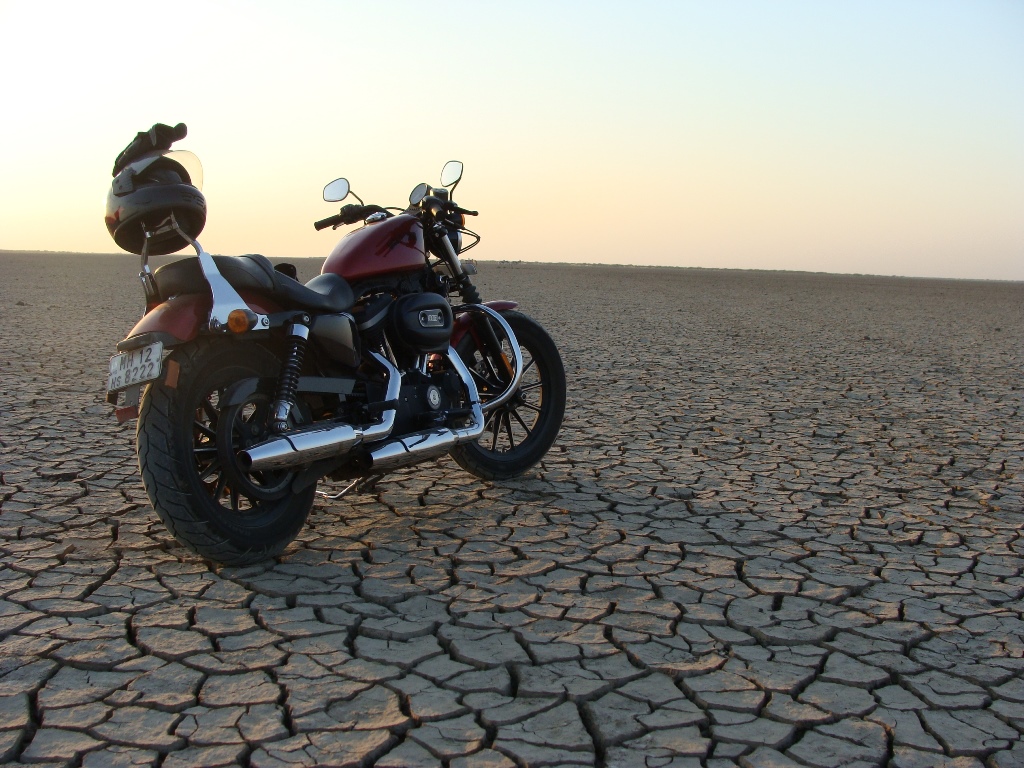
[{"x": 135, "y": 367}]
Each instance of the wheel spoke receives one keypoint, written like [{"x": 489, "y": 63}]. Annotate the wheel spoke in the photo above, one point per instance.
[
  {"x": 489, "y": 383},
  {"x": 204, "y": 430},
  {"x": 508, "y": 431},
  {"x": 234, "y": 499},
  {"x": 516, "y": 433},
  {"x": 222, "y": 481},
  {"x": 206, "y": 473},
  {"x": 211, "y": 412},
  {"x": 515, "y": 414},
  {"x": 494, "y": 432},
  {"x": 485, "y": 363}
]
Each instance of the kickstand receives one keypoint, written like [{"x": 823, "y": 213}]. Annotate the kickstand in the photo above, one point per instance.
[{"x": 359, "y": 485}]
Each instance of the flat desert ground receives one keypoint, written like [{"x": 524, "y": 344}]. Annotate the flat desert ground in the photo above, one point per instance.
[{"x": 781, "y": 526}]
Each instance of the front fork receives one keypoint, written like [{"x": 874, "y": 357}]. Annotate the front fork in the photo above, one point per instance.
[
  {"x": 470, "y": 295},
  {"x": 482, "y": 330},
  {"x": 493, "y": 345}
]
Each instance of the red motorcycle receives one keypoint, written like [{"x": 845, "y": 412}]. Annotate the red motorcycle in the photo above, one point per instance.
[{"x": 249, "y": 386}]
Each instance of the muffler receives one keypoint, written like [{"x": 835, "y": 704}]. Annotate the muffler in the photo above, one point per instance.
[
  {"x": 300, "y": 447},
  {"x": 411, "y": 449},
  {"x": 322, "y": 441},
  {"x": 430, "y": 443}
]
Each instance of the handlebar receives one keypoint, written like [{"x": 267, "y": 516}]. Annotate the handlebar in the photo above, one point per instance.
[
  {"x": 352, "y": 213},
  {"x": 436, "y": 206},
  {"x": 328, "y": 222},
  {"x": 349, "y": 214}
]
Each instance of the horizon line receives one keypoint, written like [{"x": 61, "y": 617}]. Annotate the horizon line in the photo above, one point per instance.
[{"x": 577, "y": 264}]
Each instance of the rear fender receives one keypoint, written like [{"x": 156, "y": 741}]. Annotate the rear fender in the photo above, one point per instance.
[
  {"x": 181, "y": 318},
  {"x": 464, "y": 320}
]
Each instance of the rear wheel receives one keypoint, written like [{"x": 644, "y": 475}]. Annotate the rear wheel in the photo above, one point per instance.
[
  {"x": 188, "y": 438},
  {"x": 518, "y": 433}
]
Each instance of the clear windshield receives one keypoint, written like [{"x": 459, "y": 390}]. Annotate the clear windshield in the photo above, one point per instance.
[{"x": 185, "y": 159}]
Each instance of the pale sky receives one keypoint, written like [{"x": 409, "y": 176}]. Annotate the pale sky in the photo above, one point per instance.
[{"x": 882, "y": 137}]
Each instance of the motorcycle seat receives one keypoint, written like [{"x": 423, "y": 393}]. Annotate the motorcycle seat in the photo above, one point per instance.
[{"x": 253, "y": 272}]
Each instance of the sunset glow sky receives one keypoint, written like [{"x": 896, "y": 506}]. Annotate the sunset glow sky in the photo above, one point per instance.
[{"x": 866, "y": 137}]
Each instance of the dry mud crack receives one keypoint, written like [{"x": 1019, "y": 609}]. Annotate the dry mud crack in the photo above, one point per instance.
[{"x": 781, "y": 527}]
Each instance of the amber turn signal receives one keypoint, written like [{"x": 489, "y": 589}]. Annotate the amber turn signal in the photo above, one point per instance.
[{"x": 241, "y": 320}]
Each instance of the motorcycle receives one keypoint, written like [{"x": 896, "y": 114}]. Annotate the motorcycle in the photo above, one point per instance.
[{"x": 250, "y": 387}]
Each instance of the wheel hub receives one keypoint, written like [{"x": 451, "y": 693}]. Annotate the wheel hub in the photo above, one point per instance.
[{"x": 239, "y": 427}]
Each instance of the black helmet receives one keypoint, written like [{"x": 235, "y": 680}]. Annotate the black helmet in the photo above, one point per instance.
[{"x": 147, "y": 191}]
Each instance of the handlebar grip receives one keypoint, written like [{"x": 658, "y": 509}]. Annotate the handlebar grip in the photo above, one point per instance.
[
  {"x": 328, "y": 222},
  {"x": 435, "y": 205},
  {"x": 350, "y": 214}
]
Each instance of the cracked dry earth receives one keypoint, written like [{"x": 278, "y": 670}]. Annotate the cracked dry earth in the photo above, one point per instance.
[{"x": 781, "y": 527}]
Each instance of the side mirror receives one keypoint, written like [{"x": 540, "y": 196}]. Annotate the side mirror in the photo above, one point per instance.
[
  {"x": 451, "y": 173},
  {"x": 418, "y": 193},
  {"x": 336, "y": 191}
]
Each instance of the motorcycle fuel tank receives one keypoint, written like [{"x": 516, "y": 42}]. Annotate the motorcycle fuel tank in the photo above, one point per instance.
[{"x": 382, "y": 248}]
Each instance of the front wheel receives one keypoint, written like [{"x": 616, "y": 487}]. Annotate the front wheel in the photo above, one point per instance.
[
  {"x": 188, "y": 438},
  {"x": 518, "y": 433}
]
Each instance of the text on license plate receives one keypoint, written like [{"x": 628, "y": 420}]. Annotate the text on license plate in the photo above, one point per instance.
[{"x": 139, "y": 365}]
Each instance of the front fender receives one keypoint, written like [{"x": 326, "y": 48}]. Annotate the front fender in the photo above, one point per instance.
[
  {"x": 182, "y": 318},
  {"x": 463, "y": 321}
]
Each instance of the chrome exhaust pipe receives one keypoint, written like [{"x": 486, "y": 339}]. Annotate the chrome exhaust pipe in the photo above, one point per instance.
[
  {"x": 321, "y": 441},
  {"x": 411, "y": 448},
  {"x": 300, "y": 447},
  {"x": 430, "y": 443}
]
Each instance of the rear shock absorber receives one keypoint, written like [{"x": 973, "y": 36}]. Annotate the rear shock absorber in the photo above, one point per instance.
[{"x": 288, "y": 381}]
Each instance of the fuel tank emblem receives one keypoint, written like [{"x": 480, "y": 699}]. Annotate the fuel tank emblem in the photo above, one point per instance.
[{"x": 431, "y": 318}]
